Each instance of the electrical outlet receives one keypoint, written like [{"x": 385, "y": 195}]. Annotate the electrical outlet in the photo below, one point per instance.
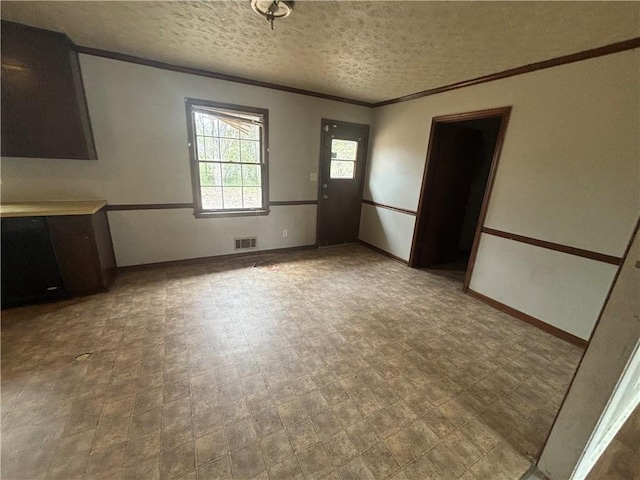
[
  {"x": 313, "y": 177},
  {"x": 285, "y": 233}
]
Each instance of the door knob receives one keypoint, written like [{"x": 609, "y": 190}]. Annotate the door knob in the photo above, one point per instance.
[
  {"x": 324, "y": 185},
  {"x": 325, "y": 196}
]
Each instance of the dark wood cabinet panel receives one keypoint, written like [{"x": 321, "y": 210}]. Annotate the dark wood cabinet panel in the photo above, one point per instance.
[
  {"x": 82, "y": 244},
  {"x": 44, "y": 109},
  {"x": 76, "y": 253},
  {"x": 104, "y": 247}
]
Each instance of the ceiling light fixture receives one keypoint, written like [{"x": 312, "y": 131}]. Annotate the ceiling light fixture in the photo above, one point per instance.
[{"x": 272, "y": 9}]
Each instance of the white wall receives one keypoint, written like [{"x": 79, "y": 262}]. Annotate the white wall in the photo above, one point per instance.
[
  {"x": 511, "y": 272},
  {"x": 136, "y": 234},
  {"x": 605, "y": 386},
  {"x": 139, "y": 123},
  {"x": 568, "y": 174},
  {"x": 386, "y": 229}
]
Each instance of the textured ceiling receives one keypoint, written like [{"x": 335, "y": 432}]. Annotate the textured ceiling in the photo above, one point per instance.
[{"x": 369, "y": 51}]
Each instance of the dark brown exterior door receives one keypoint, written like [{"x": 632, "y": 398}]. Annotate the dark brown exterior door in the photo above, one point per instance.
[
  {"x": 342, "y": 164},
  {"x": 449, "y": 177}
]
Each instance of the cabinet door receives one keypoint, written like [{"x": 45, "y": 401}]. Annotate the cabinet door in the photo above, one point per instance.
[
  {"x": 104, "y": 245},
  {"x": 73, "y": 242}
]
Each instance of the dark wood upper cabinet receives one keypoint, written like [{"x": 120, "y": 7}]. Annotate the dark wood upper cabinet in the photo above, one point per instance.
[{"x": 44, "y": 109}]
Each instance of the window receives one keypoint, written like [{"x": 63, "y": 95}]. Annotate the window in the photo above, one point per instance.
[
  {"x": 343, "y": 159},
  {"x": 228, "y": 148}
]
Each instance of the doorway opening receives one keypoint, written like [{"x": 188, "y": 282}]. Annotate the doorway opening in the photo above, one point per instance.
[{"x": 461, "y": 163}]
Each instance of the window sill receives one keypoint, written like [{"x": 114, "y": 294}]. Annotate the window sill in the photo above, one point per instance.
[{"x": 230, "y": 213}]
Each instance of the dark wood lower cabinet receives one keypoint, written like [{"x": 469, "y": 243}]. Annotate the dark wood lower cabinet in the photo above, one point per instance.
[
  {"x": 82, "y": 244},
  {"x": 72, "y": 253},
  {"x": 29, "y": 268}
]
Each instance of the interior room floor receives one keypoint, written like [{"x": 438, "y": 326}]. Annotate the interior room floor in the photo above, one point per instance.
[
  {"x": 335, "y": 364},
  {"x": 621, "y": 458}
]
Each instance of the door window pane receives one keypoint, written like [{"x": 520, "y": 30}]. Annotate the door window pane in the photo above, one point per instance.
[
  {"x": 342, "y": 169},
  {"x": 344, "y": 149}
]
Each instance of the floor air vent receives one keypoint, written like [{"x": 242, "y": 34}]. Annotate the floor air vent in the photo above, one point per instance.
[{"x": 249, "y": 242}]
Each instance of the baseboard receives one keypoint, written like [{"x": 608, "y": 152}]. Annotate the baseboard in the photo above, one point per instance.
[
  {"x": 529, "y": 319},
  {"x": 383, "y": 252},
  {"x": 212, "y": 259}
]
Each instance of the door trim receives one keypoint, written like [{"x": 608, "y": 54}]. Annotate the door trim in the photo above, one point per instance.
[
  {"x": 323, "y": 122},
  {"x": 502, "y": 112}
]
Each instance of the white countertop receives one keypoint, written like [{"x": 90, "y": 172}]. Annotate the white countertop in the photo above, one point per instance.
[{"x": 52, "y": 208}]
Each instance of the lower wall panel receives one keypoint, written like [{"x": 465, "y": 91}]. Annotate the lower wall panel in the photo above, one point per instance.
[
  {"x": 388, "y": 230},
  {"x": 562, "y": 290},
  {"x": 150, "y": 236}
]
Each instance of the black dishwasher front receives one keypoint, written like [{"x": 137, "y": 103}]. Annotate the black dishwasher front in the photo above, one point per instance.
[{"x": 29, "y": 267}]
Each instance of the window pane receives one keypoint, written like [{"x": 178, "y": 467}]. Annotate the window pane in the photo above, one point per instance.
[
  {"x": 252, "y": 134},
  {"x": 210, "y": 175},
  {"x": 211, "y": 198},
  {"x": 231, "y": 175},
  {"x": 200, "y": 150},
  {"x": 344, "y": 149},
  {"x": 229, "y": 150},
  {"x": 232, "y": 197},
  {"x": 211, "y": 146},
  {"x": 210, "y": 126},
  {"x": 227, "y": 130},
  {"x": 197, "y": 117},
  {"x": 250, "y": 151},
  {"x": 207, "y": 148},
  {"x": 340, "y": 169},
  {"x": 251, "y": 175},
  {"x": 252, "y": 197}
]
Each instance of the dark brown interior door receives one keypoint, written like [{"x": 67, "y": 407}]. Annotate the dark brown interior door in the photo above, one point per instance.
[
  {"x": 449, "y": 176},
  {"x": 342, "y": 163}
]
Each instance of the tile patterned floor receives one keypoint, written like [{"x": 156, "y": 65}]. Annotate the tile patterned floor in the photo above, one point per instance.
[{"x": 333, "y": 364}]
